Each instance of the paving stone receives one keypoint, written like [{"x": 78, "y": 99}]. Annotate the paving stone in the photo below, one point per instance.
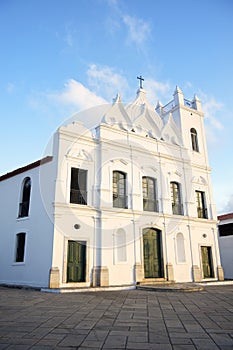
[
  {"x": 117, "y": 320},
  {"x": 222, "y": 339},
  {"x": 181, "y": 341},
  {"x": 42, "y": 347},
  {"x": 97, "y": 335},
  {"x": 205, "y": 344},
  {"x": 141, "y": 346},
  {"x": 115, "y": 341},
  {"x": 72, "y": 340},
  {"x": 92, "y": 344},
  {"x": 184, "y": 347}
]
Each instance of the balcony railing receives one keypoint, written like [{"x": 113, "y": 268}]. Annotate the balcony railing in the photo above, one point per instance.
[
  {"x": 120, "y": 201},
  {"x": 23, "y": 209},
  {"x": 168, "y": 106},
  {"x": 78, "y": 197},
  {"x": 202, "y": 213},
  {"x": 188, "y": 103},
  {"x": 150, "y": 205},
  {"x": 177, "y": 209}
]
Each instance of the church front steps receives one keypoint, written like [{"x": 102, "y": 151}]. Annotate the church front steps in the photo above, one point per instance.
[
  {"x": 169, "y": 286},
  {"x": 146, "y": 281}
]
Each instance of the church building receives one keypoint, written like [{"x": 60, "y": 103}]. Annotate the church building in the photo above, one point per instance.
[{"x": 125, "y": 202}]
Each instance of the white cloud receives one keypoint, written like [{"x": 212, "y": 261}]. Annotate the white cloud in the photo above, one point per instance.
[
  {"x": 157, "y": 90},
  {"x": 210, "y": 106},
  {"x": 138, "y": 30},
  {"x": 76, "y": 94},
  {"x": 105, "y": 81},
  {"x": 229, "y": 206},
  {"x": 213, "y": 126}
]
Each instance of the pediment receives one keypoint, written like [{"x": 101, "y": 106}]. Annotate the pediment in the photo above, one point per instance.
[
  {"x": 199, "y": 180},
  {"x": 117, "y": 116},
  {"x": 171, "y": 133},
  {"x": 79, "y": 153}
]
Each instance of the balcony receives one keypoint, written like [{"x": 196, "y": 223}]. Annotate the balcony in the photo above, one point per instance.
[
  {"x": 150, "y": 205},
  {"x": 177, "y": 209},
  {"x": 120, "y": 201},
  {"x": 202, "y": 213},
  {"x": 78, "y": 197}
]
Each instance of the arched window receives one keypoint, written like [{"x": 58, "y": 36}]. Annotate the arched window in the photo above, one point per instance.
[
  {"x": 119, "y": 190},
  {"x": 194, "y": 140},
  {"x": 177, "y": 207},
  {"x": 181, "y": 258},
  {"x": 25, "y": 198},
  {"x": 149, "y": 194},
  {"x": 120, "y": 245}
]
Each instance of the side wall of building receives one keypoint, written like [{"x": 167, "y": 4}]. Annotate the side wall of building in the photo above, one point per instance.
[
  {"x": 35, "y": 259},
  {"x": 226, "y": 243}
]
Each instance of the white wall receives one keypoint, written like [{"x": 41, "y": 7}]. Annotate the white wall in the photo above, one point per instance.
[
  {"x": 34, "y": 271},
  {"x": 137, "y": 156},
  {"x": 226, "y": 252}
]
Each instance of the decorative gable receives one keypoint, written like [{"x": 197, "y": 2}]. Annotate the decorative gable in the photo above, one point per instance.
[
  {"x": 171, "y": 133},
  {"x": 117, "y": 115}
]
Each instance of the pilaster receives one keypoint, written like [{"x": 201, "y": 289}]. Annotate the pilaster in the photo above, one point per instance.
[
  {"x": 220, "y": 273},
  {"x": 100, "y": 276},
  {"x": 170, "y": 272},
  {"x": 138, "y": 272},
  {"x": 196, "y": 273},
  {"x": 54, "y": 277}
]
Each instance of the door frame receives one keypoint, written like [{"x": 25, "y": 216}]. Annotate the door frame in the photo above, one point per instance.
[
  {"x": 161, "y": 251},
  {"x": 212, "y": 261},
  {"x": 65, "y": 257}
]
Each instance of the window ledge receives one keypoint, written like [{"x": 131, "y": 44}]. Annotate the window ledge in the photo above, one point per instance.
[
  {"x": 23, "y": 218},
  {"x": 18, "y": 263}
]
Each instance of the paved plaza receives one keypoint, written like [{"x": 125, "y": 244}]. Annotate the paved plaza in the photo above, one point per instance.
[{"x": 133, "y": 319}]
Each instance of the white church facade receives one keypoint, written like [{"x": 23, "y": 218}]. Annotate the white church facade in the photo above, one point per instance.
[{"x": 126, "y": 202}]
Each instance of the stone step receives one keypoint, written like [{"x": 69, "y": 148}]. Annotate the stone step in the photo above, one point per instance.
[
  {"x": 154, "y": 281},
  {"x": 171, "y": 287}
]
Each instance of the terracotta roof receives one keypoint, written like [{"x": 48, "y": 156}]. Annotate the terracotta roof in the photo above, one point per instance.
[
  {"x": 26, "y": 168},
  {"x": 225, "y": 216}
]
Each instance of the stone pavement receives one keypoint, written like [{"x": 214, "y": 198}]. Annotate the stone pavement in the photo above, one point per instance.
[{"x": 133, "y": 319}]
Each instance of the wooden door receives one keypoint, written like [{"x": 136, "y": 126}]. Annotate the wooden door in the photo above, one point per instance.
[
  {"x": 207, "y": 266},
  {"x": 76, "y": 261},
  {"x": 152, "y": 253}
]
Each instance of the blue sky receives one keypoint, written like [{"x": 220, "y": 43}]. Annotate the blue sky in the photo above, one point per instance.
[{"x": 59, "y": 57}]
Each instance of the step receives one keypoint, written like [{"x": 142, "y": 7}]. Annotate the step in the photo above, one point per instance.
[{"x": 153, "y": 281}]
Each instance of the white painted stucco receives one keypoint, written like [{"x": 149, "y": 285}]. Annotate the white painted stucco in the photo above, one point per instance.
[
  {"x": 226, "y": 246},
  {"x": 139, "y": 141}
]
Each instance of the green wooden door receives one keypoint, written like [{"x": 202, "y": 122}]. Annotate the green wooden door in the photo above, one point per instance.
[
  {"x": 76, "y": 261},
  {"x": 152, "y": 253},
  {"x": 207, "y": 267}
]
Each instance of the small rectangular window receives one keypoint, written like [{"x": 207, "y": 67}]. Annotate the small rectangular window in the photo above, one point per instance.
[
  {"x": 78, "y": 186},
  {"x": 226, "y": 230},
  {"x": 20, "y": 247},
  {"x": 201, "y": 205},
  {"x": 150, "y": 202},
  {"x": 119, "y": 190},
  {"x": 177, "y": 206}
]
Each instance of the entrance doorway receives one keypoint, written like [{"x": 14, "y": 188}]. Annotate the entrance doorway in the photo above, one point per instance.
[
  {"x": 207, "y": 264},
  {"x": 76, "y": 261},
  {"x": 152, "y": 253}
]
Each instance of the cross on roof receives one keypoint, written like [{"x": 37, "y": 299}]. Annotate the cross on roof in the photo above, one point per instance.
[{"x": 141, "y": 80}]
